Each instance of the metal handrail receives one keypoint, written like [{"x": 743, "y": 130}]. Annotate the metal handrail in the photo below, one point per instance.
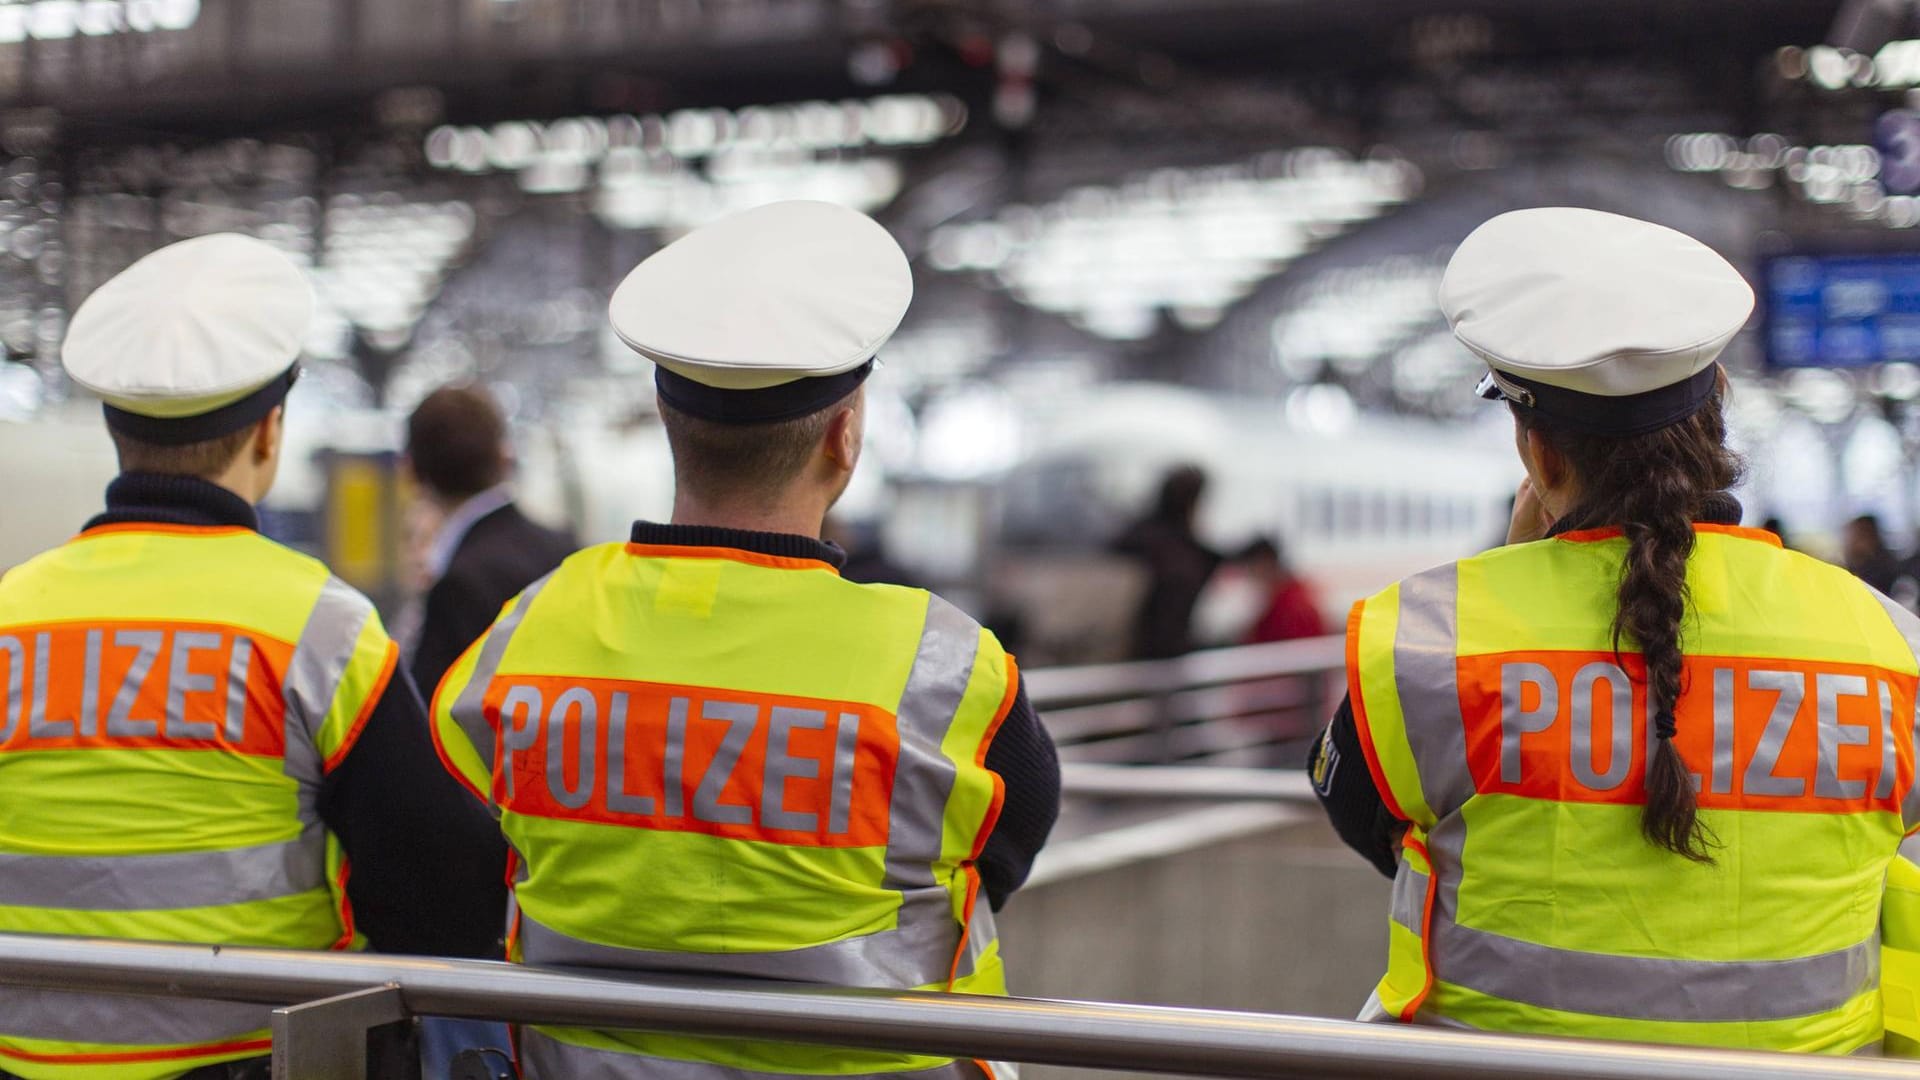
[
  {"x": 1075, "y": 1033},
  {"x": 1184, "y": 782},
  {"x": 1230, "y": 706},
  {"x": 1207, "y": 667}
]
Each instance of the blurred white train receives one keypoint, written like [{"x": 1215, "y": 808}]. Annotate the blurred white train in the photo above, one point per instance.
[{"x": 1356, "y": 501}]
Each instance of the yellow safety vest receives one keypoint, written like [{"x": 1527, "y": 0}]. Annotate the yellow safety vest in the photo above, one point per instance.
[
  {"x": 1900, "y": 959},
  {"x": 712, "y": 760},
  {"x": 172, "y": 698},
  {"x": 1497, "y": 719}
]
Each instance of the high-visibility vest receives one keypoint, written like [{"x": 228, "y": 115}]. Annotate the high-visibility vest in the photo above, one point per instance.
[
  {"x": 172, "y": 698},
  {"x": 712, "y": 760},
  {"x": 1900, "y": 959},
  {"x": 1497, "y": 718}
]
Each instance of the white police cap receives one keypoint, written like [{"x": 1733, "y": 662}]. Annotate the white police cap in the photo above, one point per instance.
[
  {"x": 1599, "y": 323},
  {"x": 768, "y": 314},
  {"x": 194, "y": 341}
]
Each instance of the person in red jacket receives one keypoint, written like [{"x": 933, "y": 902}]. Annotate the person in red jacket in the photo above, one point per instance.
[{"x": 1292, "y": 610}]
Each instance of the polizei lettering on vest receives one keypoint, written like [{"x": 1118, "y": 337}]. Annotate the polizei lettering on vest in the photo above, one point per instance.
[
  {"x": 694, "y": 760},
  {"x": 1757, "y": 734},
  {"x": 79, "y": 686}
]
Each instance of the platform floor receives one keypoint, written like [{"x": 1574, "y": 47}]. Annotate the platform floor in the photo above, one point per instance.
[{"x": 1284, "y": 919}]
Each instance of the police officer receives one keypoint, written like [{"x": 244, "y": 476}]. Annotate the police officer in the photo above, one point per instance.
[
  {"x": 1640, "y": 773},
  {"x": 708, "y": 751},
  {"x": 204, "y": 736}
]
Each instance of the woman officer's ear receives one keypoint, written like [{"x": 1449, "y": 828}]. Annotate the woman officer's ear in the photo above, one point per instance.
[{"x": 1552, "y": 473}]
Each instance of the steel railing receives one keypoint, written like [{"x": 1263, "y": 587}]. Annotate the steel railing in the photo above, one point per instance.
[
  {"x": 325, "y": 1003},
  {"x": 1185, "y": 782},
  {"x": 1216, "y": 706}
]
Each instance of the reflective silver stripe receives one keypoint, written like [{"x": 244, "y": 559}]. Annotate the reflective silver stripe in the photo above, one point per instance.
[
  {"x": 469, "y": 709},
  {"x": 162, "y": 882},
  {"x": 1909, "y": 627},
  {"x": 919, "y": 952},
  {"x": 1410, "y": 898},
  {"x": 928, "y": 935},
  {"x": 114, "y": 1020},
  {"x": 319, "y": 662},
  {"x": 545, "y": 1058},
  {"x": 1642, "y": 988},
  {"x": 1426, "y": 675},
  {"x": 924, "y": 778}
]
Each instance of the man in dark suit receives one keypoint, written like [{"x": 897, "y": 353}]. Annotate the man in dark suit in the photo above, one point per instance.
[{"x": 485, "y": 550}]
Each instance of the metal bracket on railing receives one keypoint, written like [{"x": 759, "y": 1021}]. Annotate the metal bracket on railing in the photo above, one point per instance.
[{"x": 327, "y": 1039}]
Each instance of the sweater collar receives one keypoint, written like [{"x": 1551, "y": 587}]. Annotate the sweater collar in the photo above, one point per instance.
[
  {"x": 1720, "y": 508},
  {"x": 164, "y": 499},
  {"x": 778, "y": 545}
]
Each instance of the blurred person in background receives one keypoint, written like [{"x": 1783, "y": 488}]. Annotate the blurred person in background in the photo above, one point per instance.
[
  {"x": 1864, "y": 547},
  {"x": 867, "y": 560},
  {"x": 1292, "y": 610},
  {"x": 484, "y": 550},
  {"x": 1177, "y": 562},
  {"x": 804, "y": 778},
  {"x": 1639, "y": 774},
  {"x": 219, "y": 743},
  {"x": 1774, "y": 525}
]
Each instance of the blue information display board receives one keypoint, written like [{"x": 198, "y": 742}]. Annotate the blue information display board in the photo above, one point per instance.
[{"x": 1842, "y": 310}]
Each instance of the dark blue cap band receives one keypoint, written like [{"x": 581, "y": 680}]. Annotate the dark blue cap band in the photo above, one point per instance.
[
  {"x": 1596, "y": 414},
  {"x": 225, "y": 420},
  {"x": 768, "y": 405}
]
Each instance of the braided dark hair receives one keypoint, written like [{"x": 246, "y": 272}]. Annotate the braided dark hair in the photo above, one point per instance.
[{"x": 1654, "y": 486}]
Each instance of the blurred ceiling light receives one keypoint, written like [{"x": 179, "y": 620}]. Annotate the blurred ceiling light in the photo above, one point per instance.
[
  {"x": 1847, "y": 175},
  {"x": 54, "y": 20},
  {"x": 1322, "y": 408},
  {"x": 22, "y": 391},
  {"x": 1826, "y": 396},
  {"x": 941, "y": 352},
  {"x": 688, "y": 167},
  {"x": 1350, "y": 319},
  {"x": 382, "y": 263},
  {"x": 676, "y": 198},
  {"x": 969, "y": 433},
  {"x": 1191, "y": 242},
  {"x": 1899, "y": 381},
  {"x": 1829, "y": 67}
]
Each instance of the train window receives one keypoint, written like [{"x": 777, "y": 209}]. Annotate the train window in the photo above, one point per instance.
[
  {"x": 1420, "y": 515},
  {"x": 1379, "y": 513},
  {"x": 1316, "y": 512},
  {"x": 1349, "y": 515}
]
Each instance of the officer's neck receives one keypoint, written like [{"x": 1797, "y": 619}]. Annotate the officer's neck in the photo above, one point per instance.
[
  {"x": 245, "y": 479},
  {"x": 795, "y": 516}
]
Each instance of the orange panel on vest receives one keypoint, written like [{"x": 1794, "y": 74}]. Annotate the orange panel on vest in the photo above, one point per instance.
[
  {"x": 1757, "y": 734},
  {"x": 744, "y": 766},
  {"x": 162, "y": 686}
]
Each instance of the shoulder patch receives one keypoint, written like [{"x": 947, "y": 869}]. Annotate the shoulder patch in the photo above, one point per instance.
[{"x": 1325, "y": 764}]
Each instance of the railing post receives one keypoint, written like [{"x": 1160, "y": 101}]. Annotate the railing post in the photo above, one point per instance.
[
  {"x": 1164, "y": 722},
  {"x": 328, "y": 1039}
]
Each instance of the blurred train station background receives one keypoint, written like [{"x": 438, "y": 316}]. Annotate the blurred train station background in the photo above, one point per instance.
[{"x": 1166, "y": 253}]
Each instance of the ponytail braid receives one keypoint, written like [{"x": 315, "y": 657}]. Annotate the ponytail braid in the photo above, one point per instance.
[{"x": 1655, "y": 487}]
